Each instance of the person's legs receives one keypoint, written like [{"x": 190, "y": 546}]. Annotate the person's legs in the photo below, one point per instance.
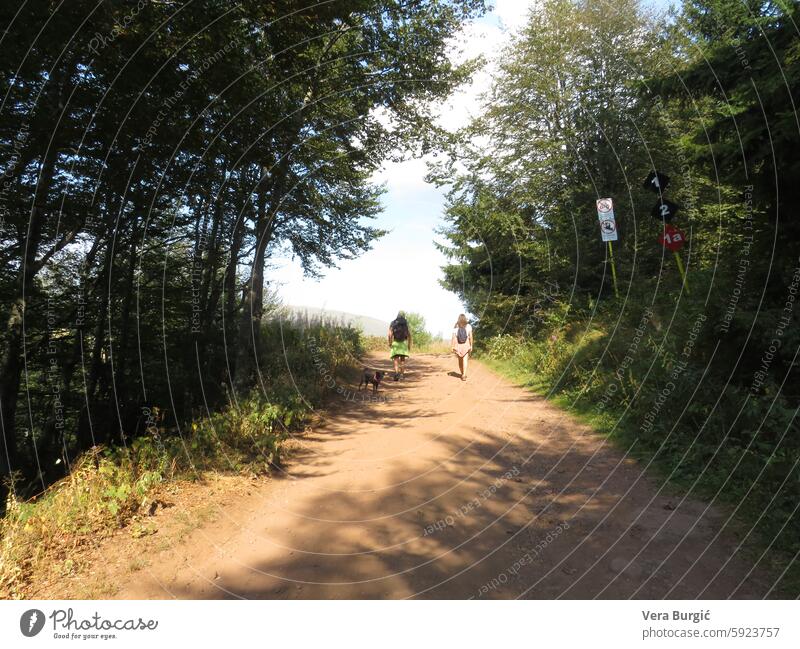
[
  {"x": 403, "y": 366},
  {"x": 465, "y": 364},
  {"x": 396, "y": 360},
  {"x": 460, "y": 365}
]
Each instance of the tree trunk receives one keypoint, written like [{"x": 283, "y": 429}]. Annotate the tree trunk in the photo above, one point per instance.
[
  {"x": 253, "y": 299},
  {"x": 230, "y": 292},
  {"x": 121, "y": 385},
  {"x": 210, "y": 290},
  {"x": 86, "y": 436},
  {"x": 15, "y": 333}
]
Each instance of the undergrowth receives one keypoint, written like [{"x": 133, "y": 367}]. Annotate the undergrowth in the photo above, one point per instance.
[
  {"x": 651, "y": 381},
  {"x": 109, "y": 488},
  {"x": 431, "y": 346}
]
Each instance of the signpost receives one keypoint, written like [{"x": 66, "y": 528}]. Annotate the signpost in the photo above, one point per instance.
[
  {"x": 673, "y": 239},
  {"x": 664, "y": 210},
  {"x": 608, "y": 232},
  {"x": 656, "y": 182}
]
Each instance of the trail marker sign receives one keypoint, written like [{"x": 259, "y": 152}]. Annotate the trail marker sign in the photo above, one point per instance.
[
  {"x": 672, "y": 238},
  {"x": 664, "y": 210},
  {"x": 605, "y": 206},
  {"x": 656, "y": 182},
  {"x": 608, "y": 224}
]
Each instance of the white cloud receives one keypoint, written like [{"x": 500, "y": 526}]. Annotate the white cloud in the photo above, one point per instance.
[
  {"x": 405, "y": 176},
  {"x": 513, "y": 13}
]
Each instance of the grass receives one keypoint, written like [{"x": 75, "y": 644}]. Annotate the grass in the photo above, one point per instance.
[
  {"x": 110, "y": 488},
  {"x": 429, "y": 346},
  {"x": 113, "y": 488},
  {"x": 435, "y": 346},
  {"x": 708, "y": 439}
]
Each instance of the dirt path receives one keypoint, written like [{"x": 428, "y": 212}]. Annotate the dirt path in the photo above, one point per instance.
[{"x": 454, "y": 490}]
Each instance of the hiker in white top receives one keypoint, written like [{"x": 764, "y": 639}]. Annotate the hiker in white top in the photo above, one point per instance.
[{"x": 461, "y": 344}]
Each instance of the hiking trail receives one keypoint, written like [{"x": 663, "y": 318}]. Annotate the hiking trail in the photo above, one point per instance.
[{"x": 451, "y": 489}]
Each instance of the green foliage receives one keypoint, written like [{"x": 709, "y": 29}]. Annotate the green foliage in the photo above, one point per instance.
[
  {"x": 251, "y": 432},
  {"x": 158, "y": 156},
  {"x": 420, "y": 335},
  {"x": 108, "y": 488},
  {"x": 590, "y": 98},
  {"x": 562, "y": 127}
]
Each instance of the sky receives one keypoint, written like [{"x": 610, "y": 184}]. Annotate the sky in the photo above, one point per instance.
[{"x": 403, "y": 268}]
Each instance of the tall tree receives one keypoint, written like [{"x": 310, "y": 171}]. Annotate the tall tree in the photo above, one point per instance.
[
  {"x": 563, "y": 126},
  {"x": 158, "y": 155}
]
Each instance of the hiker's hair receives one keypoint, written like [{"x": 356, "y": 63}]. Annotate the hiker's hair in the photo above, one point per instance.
[
  {"x": 462, "y": 321},
  {"x": 401, "y": 315}
]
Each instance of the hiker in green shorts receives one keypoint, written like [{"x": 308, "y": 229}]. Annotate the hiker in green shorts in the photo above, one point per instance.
[{"x": 400, "y": 342}]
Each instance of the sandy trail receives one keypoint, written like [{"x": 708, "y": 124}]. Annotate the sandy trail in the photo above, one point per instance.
[{"x": 446, "y": 489}]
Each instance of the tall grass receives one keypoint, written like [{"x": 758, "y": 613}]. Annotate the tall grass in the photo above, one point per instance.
[
  {"x": 429, "y": 346},
  {"x": 655, "y": 379},
  {"x": 109, "y": 487}
]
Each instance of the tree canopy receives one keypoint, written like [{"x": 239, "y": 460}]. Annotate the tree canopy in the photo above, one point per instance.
[
  {"x": 591, "y": 98},
  {"x": 158, "y": 155}
]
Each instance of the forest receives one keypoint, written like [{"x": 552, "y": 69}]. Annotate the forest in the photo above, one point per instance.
[
  {"x": 158, "y": 155},
  {"x": 590, "y": 100}
]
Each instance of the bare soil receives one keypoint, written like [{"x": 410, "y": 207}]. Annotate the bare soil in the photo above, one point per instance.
[{"x": 436, "y": 489}]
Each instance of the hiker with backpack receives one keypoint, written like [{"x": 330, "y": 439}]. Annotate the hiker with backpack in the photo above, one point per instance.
[
  {"x": 461, "y": 344},
  {"x": 400, "y": 342}
]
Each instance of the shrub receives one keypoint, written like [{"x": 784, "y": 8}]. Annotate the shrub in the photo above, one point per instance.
[
  {"x": 645, "y": 378},
  {"x": 108, "y": 486}
]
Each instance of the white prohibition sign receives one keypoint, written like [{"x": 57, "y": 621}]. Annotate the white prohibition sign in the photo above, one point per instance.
[
  {"x": 604, "y": 205},
  {"x": 608, "y": 229}
]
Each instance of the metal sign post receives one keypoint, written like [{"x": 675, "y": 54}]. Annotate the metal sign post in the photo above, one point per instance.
[
  {"x": 613, "y": 269},
  {"x": 673, "y": 239},
  {"x": 608, "y": 232},
  {"x": 682, "y": 272}
]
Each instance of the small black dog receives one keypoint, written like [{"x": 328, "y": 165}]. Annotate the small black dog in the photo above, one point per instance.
[{"x": 368, "y": 376}]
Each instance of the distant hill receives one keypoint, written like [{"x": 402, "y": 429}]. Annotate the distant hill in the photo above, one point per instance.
[{"x": 370, "y": 326}]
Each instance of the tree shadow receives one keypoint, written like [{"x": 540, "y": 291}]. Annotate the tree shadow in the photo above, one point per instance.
[{"x": 502, "y": 518}]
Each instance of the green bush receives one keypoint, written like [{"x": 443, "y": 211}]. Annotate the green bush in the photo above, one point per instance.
[
  {"x": 643, "y": 378},
  {"x": 107, "y": 487},
  {"x": 420, "y": 336}
]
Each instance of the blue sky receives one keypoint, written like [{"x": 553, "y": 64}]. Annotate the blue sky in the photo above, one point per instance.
[
  {"x": 400, "y": 272},
  {"x": 403, "y": 269}
]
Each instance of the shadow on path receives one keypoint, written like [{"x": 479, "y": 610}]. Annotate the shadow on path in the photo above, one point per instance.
[{"x": 412, "y": 499}]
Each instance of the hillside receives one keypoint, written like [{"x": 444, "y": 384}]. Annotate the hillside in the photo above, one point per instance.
[{"x": 370, "y": 326}]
